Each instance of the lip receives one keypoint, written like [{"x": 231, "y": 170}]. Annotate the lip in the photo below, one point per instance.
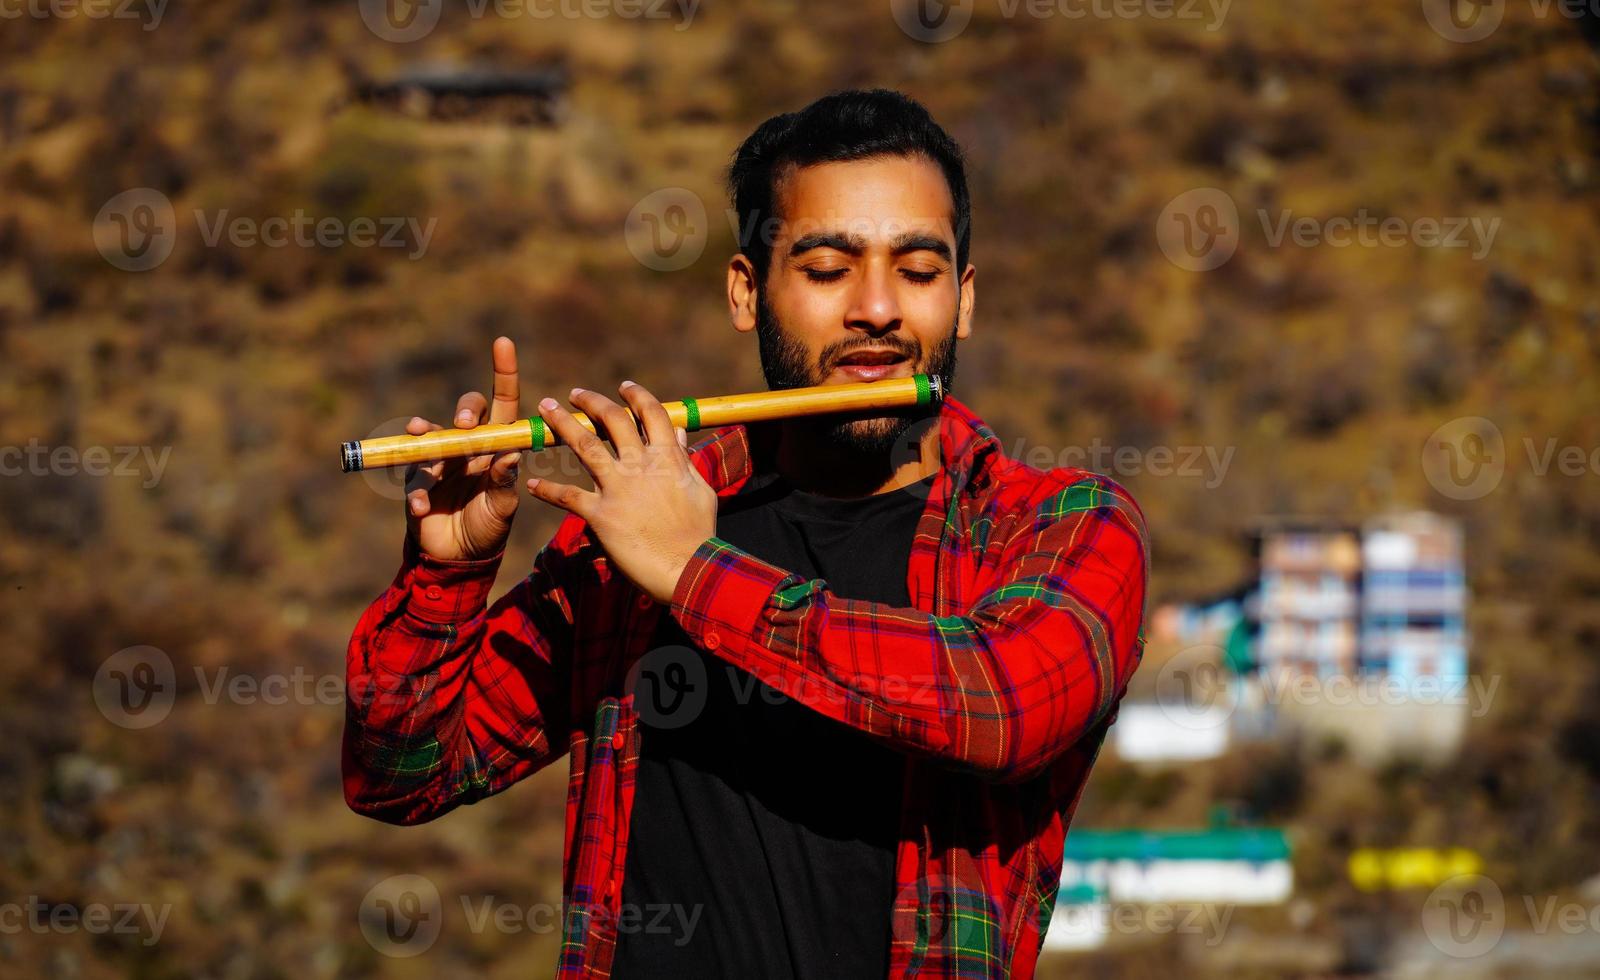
[
  {"x": 871, "y": 372},
  {"x": 874, "y": 372}
]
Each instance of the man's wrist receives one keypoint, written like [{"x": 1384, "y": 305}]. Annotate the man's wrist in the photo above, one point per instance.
[
  {"x": 667, "y": 587},
  {"x": 445, "y": 591}
]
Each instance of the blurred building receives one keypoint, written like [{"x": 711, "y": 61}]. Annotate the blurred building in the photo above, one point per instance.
[
  {"x": 1310, "y": 583},
  {"x": 1413, "y": 598},
  {"x": 1170, "y": 733},
  {"x": 1221, "y": 865},
  {"x": 1357, "y": 633}
]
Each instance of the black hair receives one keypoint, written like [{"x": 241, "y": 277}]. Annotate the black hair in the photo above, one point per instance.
[{"x": 851, "y": 125}]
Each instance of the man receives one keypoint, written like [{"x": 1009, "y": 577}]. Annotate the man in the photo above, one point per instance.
[{"x": 831, "y": 689}]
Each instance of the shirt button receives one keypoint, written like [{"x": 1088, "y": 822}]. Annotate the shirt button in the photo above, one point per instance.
[
  {"x": 433, "y": 592},
  {"x": 645, "y": 602},
  {"x": 616, "y": 742},
  {"x": 713, "y": 640}
]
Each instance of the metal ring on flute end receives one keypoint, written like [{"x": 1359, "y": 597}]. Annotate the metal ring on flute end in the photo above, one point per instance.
[
  {"x": 350, "y": 456},
  {"x": 936, "y": 388}
]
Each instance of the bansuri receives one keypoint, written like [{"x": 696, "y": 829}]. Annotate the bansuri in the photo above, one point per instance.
[{"x": 690, "y": 414}]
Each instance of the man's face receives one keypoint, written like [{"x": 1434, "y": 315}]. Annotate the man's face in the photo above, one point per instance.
[{"x": 861, "y": 285}]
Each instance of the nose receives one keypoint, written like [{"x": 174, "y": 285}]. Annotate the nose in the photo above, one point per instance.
[{"x": 874, "y": 307}]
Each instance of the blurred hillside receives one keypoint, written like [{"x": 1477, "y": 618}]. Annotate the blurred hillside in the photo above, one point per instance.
[{"x": 1323, "y": 370}]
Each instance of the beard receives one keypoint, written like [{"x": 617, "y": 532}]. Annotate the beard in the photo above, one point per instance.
[{"x": 785, "y": 363}]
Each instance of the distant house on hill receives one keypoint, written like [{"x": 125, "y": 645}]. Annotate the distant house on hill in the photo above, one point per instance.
[
  {"x": 451, "y": 93},
  {"x": 1242, "y": 865},
  {"x": 1353, "y": 632},
  {"x": 1309, "y": 589},
  {"x": 1105, "y": 868},
  {"x": 1414, "y": 598}
]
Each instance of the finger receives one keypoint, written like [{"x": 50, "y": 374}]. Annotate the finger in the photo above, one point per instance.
[
  {"x": 419, "y": 484},
  {"x": 648, "y": 410},
  {"x": 503, "y": 471},
  {"x": 470, "y": 409},
  {"x": 506, "y": 398},
  {"x": 416, "y": 427},
  {"x": 618, "y": 425},
  {"x": 683, "y": 438},
  {"x": 573, "y": 500},
  {"x": 420, "y": 477},
  {"x": 591, "y": 452}
]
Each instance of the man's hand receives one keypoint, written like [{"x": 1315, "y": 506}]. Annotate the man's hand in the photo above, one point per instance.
[
  {"x": 461, "y": 509},
  {"x": 650, "y": 507}
]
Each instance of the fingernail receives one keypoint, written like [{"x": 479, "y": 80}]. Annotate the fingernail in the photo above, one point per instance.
[
  {"x": 548, "y": 404},
  {"x": 464, "y": 417},
  {"x": 533, "y": 481},
  {"x": 627, "y": 384},
  {"x": 576, "y": 392}
]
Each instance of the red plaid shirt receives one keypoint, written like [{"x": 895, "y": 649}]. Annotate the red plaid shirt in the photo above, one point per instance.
[{"x": 998, "y": 684}]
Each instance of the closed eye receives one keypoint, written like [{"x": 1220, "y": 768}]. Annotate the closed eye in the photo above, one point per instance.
[{"x": 825, "y": 275}]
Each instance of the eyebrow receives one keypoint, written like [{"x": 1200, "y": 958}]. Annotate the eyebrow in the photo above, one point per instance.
[{"x": 856, "y": 244}]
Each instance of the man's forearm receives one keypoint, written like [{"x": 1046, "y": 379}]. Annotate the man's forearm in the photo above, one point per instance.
[
  {"x": 1002, "y": 689},
  {"x": 449, "y": 700}
]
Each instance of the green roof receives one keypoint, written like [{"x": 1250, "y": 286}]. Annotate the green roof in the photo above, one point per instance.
[
  {"x": 1227, "y": 844},
  {"x": 1081, "y": 894}
]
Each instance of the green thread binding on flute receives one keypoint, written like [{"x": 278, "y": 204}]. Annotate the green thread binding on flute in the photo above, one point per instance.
[
  {"x": 924, "y": 393},
  {"x": 536, "y": 426},
  {"x": 691, "y": 408}
]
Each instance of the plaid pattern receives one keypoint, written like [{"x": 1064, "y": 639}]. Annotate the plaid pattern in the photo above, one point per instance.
[{"x": 998, "y": 684}]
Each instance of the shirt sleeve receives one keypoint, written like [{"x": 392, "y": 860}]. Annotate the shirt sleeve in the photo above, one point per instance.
[
  {"x": 448, "y": 701},
  {"x": 1002, "y": 690}
]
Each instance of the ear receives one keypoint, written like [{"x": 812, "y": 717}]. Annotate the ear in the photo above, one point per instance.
[
  {"x": 742, "y": 293},
  {"x": 969, "y": 298}
]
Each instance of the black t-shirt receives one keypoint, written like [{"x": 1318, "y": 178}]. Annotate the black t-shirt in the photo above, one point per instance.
[{"x": 762, "y": 841}]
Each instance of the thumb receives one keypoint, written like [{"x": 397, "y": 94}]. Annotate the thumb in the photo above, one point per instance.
[{"x": 503, "y": 483}]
